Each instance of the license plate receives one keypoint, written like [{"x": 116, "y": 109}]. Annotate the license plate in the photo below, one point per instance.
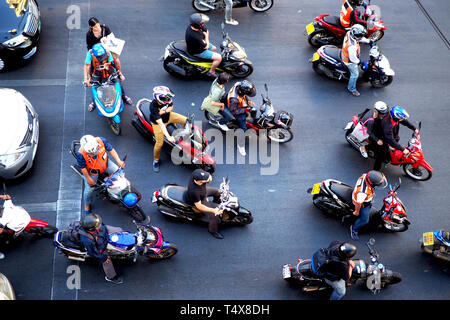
[
  {"x": 310, "y": 28},
  {"x": 348, "y": 126},
  {"x": 286, "y": 272},
  {"x": 315, "y": 56},
  {"x": 316, "y": 188},
  {"x": 428, "y": 239}
]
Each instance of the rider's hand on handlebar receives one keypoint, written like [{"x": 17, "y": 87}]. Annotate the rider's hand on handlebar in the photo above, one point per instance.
[
  {"x": 91, "y": 182},
  {"x": 5, "y": 197},
  {"x": 217, "y": 211},
  {"x": 121, "y": 77},
  {"x": 121, "y": 164},
  {"x": 171, "y": 139},
  {"x": 380, "y": 142},
  {"x": 87, "y": 82},
  {"x": 406, "y": 151}
]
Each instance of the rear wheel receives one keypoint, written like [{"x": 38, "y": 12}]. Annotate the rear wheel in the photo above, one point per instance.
[
  {"x": 197, "y": 6},
  {"x": 242, "y": 71},
  {"x": 280, "y": 135},
  {"x": 260, "y": 5},
  {"x": 115, "y": 127},
  {"x": 137, "y": 213},
  {"x": 165, "y": 253},
  {"x": 45, "y": 232},
  {"x": 418, "y": 173},
  {"x": 326, "y": 205},
  {"x": 382, "y": 82},
  {"x": 315, "y": 37}
]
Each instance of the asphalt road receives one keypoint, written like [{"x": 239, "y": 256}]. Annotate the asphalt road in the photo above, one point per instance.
[{"x": 247, "y": 263}]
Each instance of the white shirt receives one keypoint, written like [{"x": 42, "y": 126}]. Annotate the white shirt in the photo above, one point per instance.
[{"x": 15, "y": 218}]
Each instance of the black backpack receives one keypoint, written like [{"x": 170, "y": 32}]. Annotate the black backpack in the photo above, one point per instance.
[
  {"x": 321, "y": 258},
  {"x": 75, "y": 230}
]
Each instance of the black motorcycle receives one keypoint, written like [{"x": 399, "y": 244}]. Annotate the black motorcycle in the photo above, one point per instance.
[
  {"x": 178, "y": 62},
  {"x": 171, "y": 202},
  {"x": 374, "y": 273},
  {"x": 208, "y": 5},
  {"x": 377, "y": 70},
  {"x": 437, "y": 244}
]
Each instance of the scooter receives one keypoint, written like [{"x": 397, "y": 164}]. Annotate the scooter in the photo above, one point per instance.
[
  {"x": 375, "y": 275},
  {"x": 208, "y": 5},
  {"x": 6, "y": 289},
  {"x": 326, "y": 29},
  {"x": 414, "y": 164},
  {"x": 178, "y": 62},
  {"x": 436, "y": 243},
  {"x": 171, "y": 203},
  {"x": 334, "y": 198},
  {"x": 277, "y": 124},
  {"x": 107, "y": 96},
  {"x": 377, "y": 70},
  {"x": 115, "y": 188},
  {"x": 194, "y": 149},
  {"x": 148, "y": 241}
]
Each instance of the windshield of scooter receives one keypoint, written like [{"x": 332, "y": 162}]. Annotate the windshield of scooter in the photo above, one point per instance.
[{"x": 107, "y": 94}]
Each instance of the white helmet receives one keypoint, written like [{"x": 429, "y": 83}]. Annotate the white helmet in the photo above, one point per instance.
[
  {"x": 381, "y": 107},
  {"x": 89, "y": 144},
  {"x": 357, "y": 32}
]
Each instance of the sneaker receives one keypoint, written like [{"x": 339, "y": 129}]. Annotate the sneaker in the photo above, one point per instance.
[
  {"x": 232, "y": 22},
  {"x": 363, "y": 152},
  {"x": 222, "y": 127},
  {"x": 211, "y": 75},
  {"x": 2, "y": 256},
  {"x": 355, "y": 93},
  {"x": 216, "y": 235},
  {"x": 127, "y": 100},
  {"x": 116, "y": 280},
  {"x": 156, "y": 166},
  {"x": 242, "y": 151},
  {"x": 353, "y": 234},
  {"x": 91, "y": 107}
]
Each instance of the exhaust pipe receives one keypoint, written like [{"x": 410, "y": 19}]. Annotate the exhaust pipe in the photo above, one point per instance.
[
  {"x": 203, "y": 3},
  {"x": 76, "y": 258},
  {"x": 441, "y": 256}
]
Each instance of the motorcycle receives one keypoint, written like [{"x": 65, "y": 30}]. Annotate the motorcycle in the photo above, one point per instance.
[
  {"x": 171, "y": 203},
  {"x": 6, "y": 289},
  {"x": 114, "y": 187},
  {"x": 414, "y": 165},
  {"x": 375, "y": 275},
  {"x": 178, "y": 62},
  {"x": 436, "y": 243},
  {"x": 334, "y": 198},
  {"x": 195, "y": 149},
  {"x": 327, "y": 29},
  {"x": 377, "y": 70},
  {"x": 277, "y": 124},
  {"x": 208, "y": 5},
  {"x": 148, "y": 242},
  {"x": 107, "y": 96}
]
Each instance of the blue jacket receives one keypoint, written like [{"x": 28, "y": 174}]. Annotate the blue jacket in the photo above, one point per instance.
[{"x": 96, "y": 249}]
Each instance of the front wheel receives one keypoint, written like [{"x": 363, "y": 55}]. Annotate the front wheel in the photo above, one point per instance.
[
  {"x": 243, "y": 219},
  {"x": 314, "y": 39},
  {"x": 165, "y": 253},
  {"x": 382, "y": 81},
  {"x": 390, "y": 277},
  {"x": 115, "y": 127},
  {"x": 197, "y": 6},
  {"x": 260, "y": 5},
  {"x": 137, "y": 213},
  {"x": 418, "y": 173},
  {"x": 242, "y": 71},
  {"x": 280, "y": 135},
  {"x": 376, "y": 36}
]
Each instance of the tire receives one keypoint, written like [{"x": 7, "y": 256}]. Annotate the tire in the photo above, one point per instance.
[
  {"x": 377, "y": 35},
  {"x": 165, "y": 253},
  {"x": 282, "y": 135},
  {"x": 381, "y": 83},
  {"x": 395, "y": 227},
  {"x": 243, "y": 220},
  {"x": 115, "y": 127},
  {"x": 197, "y": 6},
  {"x": 260, "y": 5},
  {"x": 317, "y": 34},
  {"x": 325, "y": 204},
  {"x": 44, "y": 232},
  {"x": 137, "y": 213},
  {"x": 390, "y": 277},
  {"x": 414, "y": 173},
  {"x": 315, "y": 66},
  {"x": 242, "y": 71}
]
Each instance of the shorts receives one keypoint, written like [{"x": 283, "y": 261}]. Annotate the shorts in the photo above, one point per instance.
[{"x": 207, "y": 54}]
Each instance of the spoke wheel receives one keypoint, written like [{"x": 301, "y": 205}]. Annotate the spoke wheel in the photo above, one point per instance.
[
  {"x": 242, "y": 71},
  {"x": 115, "y": 127},
  {"x": 280, "y": 135},
  {"x": 260, "y": 5},
  {"x": 418, "y": 173}
]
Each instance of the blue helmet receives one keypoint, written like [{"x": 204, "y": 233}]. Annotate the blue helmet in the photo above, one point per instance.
[
  {"x": 99, "y": 51},
  {"x": 130, "y": 199},
  {"x": 398, "y": 113}
]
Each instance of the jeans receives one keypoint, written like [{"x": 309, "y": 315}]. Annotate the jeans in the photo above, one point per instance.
[
  {"x": 339, "y": 289},
  {"x": 213, "y": 226},
  {"x": 228, "y": 9},
  {"x": 364, "y": 215},
  {"x": 242, "y": 120},
  {"x": 227, "y": 116},
  {"x": 88, "y": 190},
  {"x": 354, "y": 74}
]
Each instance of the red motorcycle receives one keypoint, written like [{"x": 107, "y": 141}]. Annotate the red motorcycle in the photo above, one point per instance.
[
  {"x": 414, "y": 165},
  {"x": 194, "y": 149},
  {"x": 327, "y": 29}
]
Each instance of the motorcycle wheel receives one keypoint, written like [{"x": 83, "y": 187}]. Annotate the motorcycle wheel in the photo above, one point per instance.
[
  {"x": 115, "y": 127},
  {"x": 390, "y": 277},
  {"x": 243, "y": 220},
  {"x": 165, "y": 254},
  {"x": 260, "y": 5},
  {"x": 419, "y": 173},
  {"x": 137, "y": 213},
  {"x": 315, "y": 66},
  {"x": 396, "y": 227},
  {"x": 197, "y": 6},
  {"x": 381, "y": 83},
  {"x": 280, "y": 135},
  {"x": 376, "y": 36},
  {"x": 242, "y": 71},
  {"x": 317, "y": 34},
  {"x": 325, "y": 204},
  {"x": 213, "y": 118},
  {"x": 45, "y": 232}
]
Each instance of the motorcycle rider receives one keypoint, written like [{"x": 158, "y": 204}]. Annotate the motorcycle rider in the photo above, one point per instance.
[
  {"x": 389, "y": 130},
  {"x": 95, "y": 240},
  {"x": 350, "y": 54},
  {"x": 197, "y": 195},
  {"x": 197, "y": 42},
  {"x": 238, "y": 100},
  {"x": 93, "y": 160},
  {"x": 362, "y": 198},
  {"x": 380, "y": 109},
  {"x": 338, "y": 269},
  {"x": 349, "y": 14},
  {"x": 161, "y": 115},
  {"x": 100, "y": 64}
]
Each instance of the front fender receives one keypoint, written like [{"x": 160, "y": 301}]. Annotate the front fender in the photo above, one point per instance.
[{"x": 424, "y": 164}]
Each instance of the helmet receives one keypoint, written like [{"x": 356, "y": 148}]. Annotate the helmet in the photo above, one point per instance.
[
  {"x": 346, "y": 250},
  {"x": 89, "y": 144},
  {"x": 356, "y": 2},
  {"x": 130, "y": 199},
  {"x": 163, "y": 95},
  {"x": 398, "y": 113},
  {"x": 381, "y": 107},
  {"x": 375, "y": 178},
  {"x": 246, "y": 88},
  {"x": 91, "y": 221},
  {"x": 357, "y": 32},
  {"x": 99, "y": 51},
  {"x": 198, "y": 19}
]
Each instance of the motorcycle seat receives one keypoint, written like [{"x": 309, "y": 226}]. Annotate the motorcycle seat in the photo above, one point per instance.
[
  {"x": 343, "y": 191},
  {"x": 333, "y": 52},
  {"x": 176, "y": 194},
  {"x": 333, "y": 20},
  {"x": 145, "y": 109},
  {"x": 180, "y": 45}
]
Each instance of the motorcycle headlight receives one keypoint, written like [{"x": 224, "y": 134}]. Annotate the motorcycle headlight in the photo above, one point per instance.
[
  {"x": 7, "y": 160},
  {"x": 239, "y": 55},
  {"x": 20, "y": 40}
]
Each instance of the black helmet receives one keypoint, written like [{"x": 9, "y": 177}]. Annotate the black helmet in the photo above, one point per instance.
[
  {"x": 346, "y": 250},
  {"x": 91, "y": 221},
  {"x": 375, "y": 178},
  {"x": 198, "y": 19},
  {"x": 246, "y": 88},
  {"x": 357, "y": 2}
]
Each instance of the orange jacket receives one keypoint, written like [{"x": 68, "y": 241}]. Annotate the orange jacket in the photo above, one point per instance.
[
  {"x": 346, "y": 12},
  {"x": 348, "y": 41},
  {"x": 101, "y": 69},
  {"x": 362, "y": 187},
  {"x": 100, "y": 163}
]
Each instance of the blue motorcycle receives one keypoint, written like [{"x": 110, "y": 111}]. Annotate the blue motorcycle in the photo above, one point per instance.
[
  {"x": 107, "y": 96},
  {"x": 255, "y": 5},
  {"x": 436, "y": 243}
]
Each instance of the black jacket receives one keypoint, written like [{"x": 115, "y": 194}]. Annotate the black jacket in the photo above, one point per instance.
[
  {"x": 96, "y": 245},
  {"x": 91, "y": 39},
  {"x": 388, "y": 130}
]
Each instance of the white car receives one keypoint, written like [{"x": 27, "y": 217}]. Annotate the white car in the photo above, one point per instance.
[{"x": 19, "y": 134}]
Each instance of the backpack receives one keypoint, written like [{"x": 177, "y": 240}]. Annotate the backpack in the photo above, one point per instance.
[
  {"x": 321, "y": 258},
  {"x": 75, "y": 230}
]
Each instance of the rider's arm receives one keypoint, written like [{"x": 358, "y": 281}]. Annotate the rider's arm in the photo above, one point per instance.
[
  {"x": 200, "y": 206},
  {"x": 87, "y": 73},
  {"x": 408, "y": 124},
  {"x": 116, "y": 157}
]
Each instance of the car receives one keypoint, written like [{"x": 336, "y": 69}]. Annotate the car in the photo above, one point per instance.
[
  {"x": 20, "y": 27},
  {"x": 19, "y": 132}
]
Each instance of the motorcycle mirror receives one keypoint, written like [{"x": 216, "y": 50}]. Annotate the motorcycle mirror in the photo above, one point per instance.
[
  {"x": 124, "y": 157},
  {"x": 420, "y": 125},
  {"x": 265, "y": 87}
]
